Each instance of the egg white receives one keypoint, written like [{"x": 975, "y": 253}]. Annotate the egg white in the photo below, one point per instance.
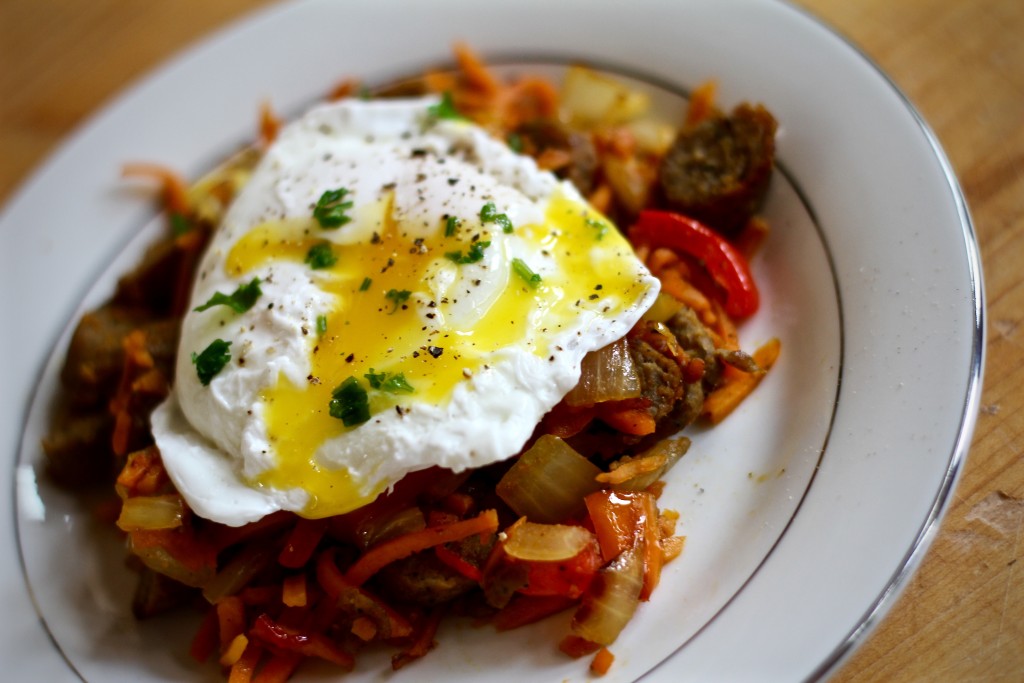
[{"x": 393, "y": 158}]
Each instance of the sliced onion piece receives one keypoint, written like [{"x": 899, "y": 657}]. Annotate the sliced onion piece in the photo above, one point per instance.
[
  {"x": 589, "y": 99},
  {"x": 548, "y": 482},
  {"x": 607, "y": 374},
  {"x": 151, "y": 512},
  {"x": 652, "y": 136},
  {"x": 670, "y": 449},
  {"x": 239, "y": 571},
  {"x": 611, "y": 599},
  {"x": 664, "y": 307},
  {"x": 546, "y": 542},
  {"x": 163, "y": 562}
]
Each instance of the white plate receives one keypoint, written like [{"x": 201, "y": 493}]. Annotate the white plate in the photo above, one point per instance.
[{"x": 805, "y": 511}]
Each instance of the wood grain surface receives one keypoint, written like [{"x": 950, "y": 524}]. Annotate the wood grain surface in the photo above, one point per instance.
[{"x": 961, "y": 618}]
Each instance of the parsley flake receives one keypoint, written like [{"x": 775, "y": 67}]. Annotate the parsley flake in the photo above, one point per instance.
[
  {"x": 321, "y": 325},
  {"x": 451, "y": 225},
  {"x": 365, "y": 284},
  {"x": 321, "y": 255},
  {"x": 389, "y": 383},
  {"x": 180, "y": 224},
  {"x": 489, "y": 214},
  {"x": 239, "y": 301},
  {"x": 212, "y": 360},
  {"x": 445, "y": 109},
  {"x": 398, "y": 296},
  {"x": 600, "y": 226},
  {"x": 524, "y": 271},
  {"x": 330, "y": 209},
  {"x": 515, "y": 142},
  {"x": 475, "y": 253},
  {"x": 349, "y": 403}
]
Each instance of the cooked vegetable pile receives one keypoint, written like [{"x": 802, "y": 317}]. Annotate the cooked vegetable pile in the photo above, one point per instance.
[{"x": 570, "y": 523}]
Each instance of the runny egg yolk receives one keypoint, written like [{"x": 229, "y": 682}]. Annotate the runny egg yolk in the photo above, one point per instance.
[{"x": 385, "y": 319}]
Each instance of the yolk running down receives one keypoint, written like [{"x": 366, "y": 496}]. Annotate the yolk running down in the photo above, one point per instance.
[{"x": 385, "y": 320}]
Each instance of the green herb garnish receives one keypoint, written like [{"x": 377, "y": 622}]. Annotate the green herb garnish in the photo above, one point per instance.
[
  {"x": 365, "y": 284},
  {"x": 321, "y": 325},
  {"x": 321, "y": 255},
  {"x": 515, "y": 142},
  {"x": 180, "y": 224},
  {"x": 451, "y": 225},
  {"x": 330, "y": 208},
  {"x": 475, "y": 253},
  {"x": 600, "y": 226},
  {"x": 349, "y": 403},
  {"x": 398, "y": 296},
  {"x": 489, "y": 214},
  {"x": 445, "y": 109},
  {"x": 524, "y": 271},
  {"x": 212, "y": 360},
  {"x": 240, "y": 300},
  {"x": 391, "y": 384}
]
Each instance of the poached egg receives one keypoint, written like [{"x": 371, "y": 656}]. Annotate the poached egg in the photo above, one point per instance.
[{"x": 434, "y": 326}]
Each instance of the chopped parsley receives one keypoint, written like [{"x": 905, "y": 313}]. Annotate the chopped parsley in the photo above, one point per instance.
[
  {"x": 515, "y": 142},
  {"x": 451, "y": 225},
  {"x": 349, "y": 403},
  {"x": 398, "y": 296},
  {"x": 239, "y": 301},
  {"x": 180, "y": 224},
  {"x": 600, "y": 226},
  {"x": 524, "y": 271},
  {"x": 212, "y": 360},
  {"x": 445, "y": 109},
  {"x": 489, "y": 214},
  {"x": 391, "y": 384},
  {"x": 331, "y": 207},
  {"x": 321, "y": 255},
  {"x": 321, "y": 325},
  {"x": 365, "y": 285},
  {"x": 475, "y": 253}
]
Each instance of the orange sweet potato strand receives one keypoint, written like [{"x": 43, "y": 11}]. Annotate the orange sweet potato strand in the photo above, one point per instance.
[
  {"x": 397, "y": 548},
  {"x": 723, "y": 400}
]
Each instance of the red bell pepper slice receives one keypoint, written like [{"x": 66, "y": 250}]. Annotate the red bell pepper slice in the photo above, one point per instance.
[
  {"x": 723, "y": 261},
  {"x": 297, "y": 641}
]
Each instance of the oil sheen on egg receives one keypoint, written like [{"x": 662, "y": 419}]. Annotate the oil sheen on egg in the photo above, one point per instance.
[{"x": 462, "y": 327}]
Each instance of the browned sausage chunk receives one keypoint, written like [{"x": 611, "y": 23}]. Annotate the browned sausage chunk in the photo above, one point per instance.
[{"x": 719, "y": 170}]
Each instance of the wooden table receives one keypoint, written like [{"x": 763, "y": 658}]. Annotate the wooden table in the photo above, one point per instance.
[{"x": 961, "y": 618}]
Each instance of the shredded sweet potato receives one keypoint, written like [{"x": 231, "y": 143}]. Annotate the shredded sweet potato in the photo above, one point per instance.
[
  {"x": 738, "y": 385},
  {"x": 242, "y": 670},
  {"x": 602, "y": 662},
  {"x": 270, "y": 124},
  {"x": 293, "y": 591},
  {"x": 702, "y": 103},
  {"x": 631, "y": 469},
  {"x": 174, "y": 189},
  {"x": 403, "y": 546}
]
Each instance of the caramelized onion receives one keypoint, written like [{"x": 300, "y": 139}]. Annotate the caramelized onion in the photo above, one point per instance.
[
  {"x": 163, "y": 562},
  {"x": 611, "y": 599},
  {"x": 607, "y": 374},
  {"x": 546, "y": 542},
  {"x": 671, "y": 449},
  {"x": 151, "y": 512},
  {"x": 239, "y": 571},
  {"x": 548, "y": 482}
]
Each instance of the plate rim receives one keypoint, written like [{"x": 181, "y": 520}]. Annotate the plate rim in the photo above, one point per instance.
[{"x": 970, "y": 401}]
